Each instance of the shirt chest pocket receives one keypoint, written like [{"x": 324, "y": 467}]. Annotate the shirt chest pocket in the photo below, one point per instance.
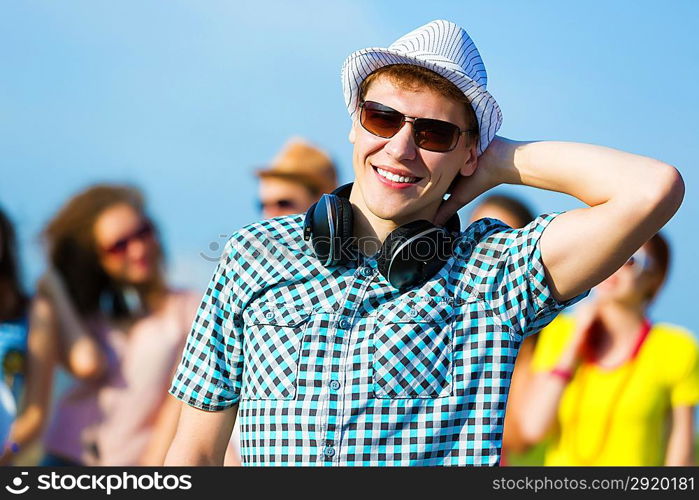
[
  {"x": 412, "y": 350},
  {"x": 273, "y": 339}
]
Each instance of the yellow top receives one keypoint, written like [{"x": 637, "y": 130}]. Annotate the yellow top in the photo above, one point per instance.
[{"x": 618, "y": 416}]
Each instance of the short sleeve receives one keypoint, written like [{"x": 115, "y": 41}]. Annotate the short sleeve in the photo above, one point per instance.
[
  {"x": 210, "y": 372},
  {"x": 685, "y": 390},
  {"x": 527, "y": 300}
]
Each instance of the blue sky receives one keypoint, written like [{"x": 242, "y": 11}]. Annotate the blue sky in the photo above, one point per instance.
[{"x": 185, "y": 98}]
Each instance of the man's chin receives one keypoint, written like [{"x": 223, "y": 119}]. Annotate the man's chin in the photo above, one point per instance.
[
  {"x": 397, "y": 209},
  {"x": 397, "y": 215}
]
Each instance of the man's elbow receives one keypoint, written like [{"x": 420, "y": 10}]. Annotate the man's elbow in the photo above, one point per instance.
[{"x": 666, "y": 191}]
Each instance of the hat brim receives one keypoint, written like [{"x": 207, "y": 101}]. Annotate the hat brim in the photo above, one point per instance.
[
  {"x": 311, "y": 182},
  {"x": 362, "y": 63}
]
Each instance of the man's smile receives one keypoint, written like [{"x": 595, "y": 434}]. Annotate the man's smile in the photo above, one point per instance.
[{"x": 395, "y": 178}]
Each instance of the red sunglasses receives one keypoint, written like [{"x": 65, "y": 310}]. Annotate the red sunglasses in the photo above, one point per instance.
[
  {"x": 428, "y": 133},
  {"x": 119, "y": 247}
]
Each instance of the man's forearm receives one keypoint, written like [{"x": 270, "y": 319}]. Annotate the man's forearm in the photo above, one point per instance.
[
  {"x": 593, "y": 174},
  {"x": 630, "y": 198}
]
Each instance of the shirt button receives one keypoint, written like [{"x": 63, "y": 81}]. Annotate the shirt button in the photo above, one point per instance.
[
  {"x": 334, "y": 385},
  {"x": 368, "y": 272},
  {"x": 343, "y": 324},
  {"x": 329, "y": 451},
  {"x": 269, "y": 315},
  {"x": 412, "y": 313}
]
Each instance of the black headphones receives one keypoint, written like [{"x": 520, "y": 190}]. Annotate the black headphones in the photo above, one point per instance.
[{"x": 410, "y": 255}]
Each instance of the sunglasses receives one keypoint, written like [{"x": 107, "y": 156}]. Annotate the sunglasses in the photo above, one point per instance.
[
  {"x": 640, "y": 261},
  {"x": 121, "y": 245},
  {"x": 428, "y": 133},
  {"x": 278, "y": 204}
]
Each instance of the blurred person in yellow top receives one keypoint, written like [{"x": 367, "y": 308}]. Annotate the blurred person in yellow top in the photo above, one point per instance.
[
  {"x": 611, "y": 387},
  {"x": 295, "y": 180}
]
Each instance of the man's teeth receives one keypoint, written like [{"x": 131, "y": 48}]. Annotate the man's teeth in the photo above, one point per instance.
[{"x": 394, "y": 177}]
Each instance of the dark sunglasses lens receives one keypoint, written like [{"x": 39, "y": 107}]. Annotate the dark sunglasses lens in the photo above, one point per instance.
[
  {"x": 435, "y": 135},
  {"x": 380, "y": 120},
  {"x": 145, "y": 232},
  {"x": 119, "y": 247},
  {"x": 279, "y": 204}
]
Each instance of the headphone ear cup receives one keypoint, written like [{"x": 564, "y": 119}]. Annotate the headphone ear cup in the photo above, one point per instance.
[
  {"x": 344, "y": 226},
  {"x": 413, "y": 253},
  {"x": 393, "y": 256},
  {"x": 342, "y": 218},
  {"x": 308, "y": 222},
  {"x": 319, "y": 229},
  {"x": 328, "y": 225}
]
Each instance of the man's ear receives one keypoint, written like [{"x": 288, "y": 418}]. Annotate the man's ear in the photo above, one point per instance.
[
  {"x": 470, "y": 162},
  {"x": 353, "y": 132}
]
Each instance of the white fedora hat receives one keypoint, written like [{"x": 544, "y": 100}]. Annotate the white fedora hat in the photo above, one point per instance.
[{"x": 440, "y": 46}]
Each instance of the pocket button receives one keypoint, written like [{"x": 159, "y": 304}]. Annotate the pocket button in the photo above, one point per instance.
[{"x": 269, "y": 315}]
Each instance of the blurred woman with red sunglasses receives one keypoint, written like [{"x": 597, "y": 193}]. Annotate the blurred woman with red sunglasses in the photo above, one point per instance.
[
  {"x": 105, "y": 313},
  {"x": 611, "y": 387}
]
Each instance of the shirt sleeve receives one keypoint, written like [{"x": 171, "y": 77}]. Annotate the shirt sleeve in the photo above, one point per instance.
[
  {"x": 209, "y": 375},
  {"x": 525, "y": 298},
  {"x": 685, "y": 391}
]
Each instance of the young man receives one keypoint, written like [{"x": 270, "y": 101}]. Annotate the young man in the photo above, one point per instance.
[{"x": 333, "y": 364}]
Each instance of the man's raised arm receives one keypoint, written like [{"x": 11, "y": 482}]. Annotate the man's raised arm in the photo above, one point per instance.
[{"x": 630, "y": 198}]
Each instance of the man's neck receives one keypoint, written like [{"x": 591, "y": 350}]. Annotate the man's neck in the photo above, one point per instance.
[{"x": 370, "y": 230}]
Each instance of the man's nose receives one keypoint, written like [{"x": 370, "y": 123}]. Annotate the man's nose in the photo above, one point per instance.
[{"x": 402, "y": 145}]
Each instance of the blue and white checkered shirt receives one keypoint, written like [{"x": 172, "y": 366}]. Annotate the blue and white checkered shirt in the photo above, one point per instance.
[{"x": 334, "y": 366}]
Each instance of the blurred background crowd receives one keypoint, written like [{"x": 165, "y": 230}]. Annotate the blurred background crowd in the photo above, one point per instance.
[{"x": 138, "y": 137}]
